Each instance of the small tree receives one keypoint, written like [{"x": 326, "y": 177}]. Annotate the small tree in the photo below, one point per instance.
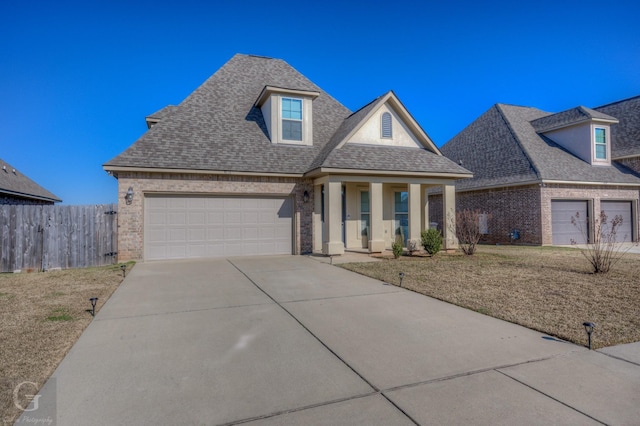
[
  {"x": 468, "y": 230},
  {"x": 605, "y": 250},
  {"x": 431, "y": 240}
]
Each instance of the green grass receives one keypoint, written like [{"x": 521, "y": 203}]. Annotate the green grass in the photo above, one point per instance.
[{"x": 60, "y": 314}]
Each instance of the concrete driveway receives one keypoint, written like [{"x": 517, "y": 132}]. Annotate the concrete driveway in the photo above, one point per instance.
[{"x": 290, "y": 340}]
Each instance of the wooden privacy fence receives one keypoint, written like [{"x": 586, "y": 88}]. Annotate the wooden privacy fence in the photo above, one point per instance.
[{"x": 43, "y": 237}]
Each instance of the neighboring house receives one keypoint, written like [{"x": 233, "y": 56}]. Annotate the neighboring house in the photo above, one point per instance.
[
  {"x": 625, "y": 136},
  {"x": 534, "y": 171},
  {"x": 259, "y": 160},
  {"x": 16, "y": 188}
]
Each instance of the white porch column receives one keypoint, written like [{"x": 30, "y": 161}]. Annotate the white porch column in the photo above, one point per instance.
[
  {"x": 425, "y": 209},
  {"x": 449, "y": 216},
  {"x": 376, "y": 224},
  {"x": 332, "y": 243},
  {"x": 317, "y": 218},
  {"x": 415, "y": 214}
]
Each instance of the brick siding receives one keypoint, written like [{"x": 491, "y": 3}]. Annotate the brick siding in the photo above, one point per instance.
[
  {"x": 633, "y": 163},
  {"x": 527, "y": 208},
  {"x": 131, "y": 217}
]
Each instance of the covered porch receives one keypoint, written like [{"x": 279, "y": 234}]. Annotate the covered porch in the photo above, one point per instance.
[{"x": 372, "y": 212}]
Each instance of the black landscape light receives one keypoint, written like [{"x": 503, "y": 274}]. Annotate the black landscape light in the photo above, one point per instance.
[
  {"x": 93, "y": 301},
  {"x": 588, "y": 327},
  {"x": 123, "y": 268},
  {"x": 401, "y": 277},
  {"x": 305, "y": 196}
]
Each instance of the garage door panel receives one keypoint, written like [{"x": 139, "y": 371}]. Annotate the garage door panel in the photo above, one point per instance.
[
  {"x": 183, "y": 227},
  {"x": 176, "y": 218},
  {"x": 176, "y": 235},
  {"x": 624, "y": 232},
  {"x": 250, "y": 217},
  {"x": 564, "y": 232}
]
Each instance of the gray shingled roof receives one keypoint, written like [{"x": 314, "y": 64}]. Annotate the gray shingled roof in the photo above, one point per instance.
[
  {"x": 219, "y": 128},
  {"x": 625, "y": 136},
  {"x": 502, "y": 147},
  {"x": 15, "y": 183},
  {"x": 567, "y": 118}
]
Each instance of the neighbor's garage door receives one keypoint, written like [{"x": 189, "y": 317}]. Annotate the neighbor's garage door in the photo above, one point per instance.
[
  {"x": 563, "y": 230},
  {"x": 178, "y": 227},
  {"x": 623, "y": 208}
]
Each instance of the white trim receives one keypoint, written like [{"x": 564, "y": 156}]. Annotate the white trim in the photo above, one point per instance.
[
  {"x": 112, "y": 169},
  {"x": 327, "y": 170}
]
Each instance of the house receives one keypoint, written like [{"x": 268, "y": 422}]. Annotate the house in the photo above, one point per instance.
[
  {"x": 534, "y": 171},
  {"x": 260, "y": 160},
  {"x": 16, "y": 188}
]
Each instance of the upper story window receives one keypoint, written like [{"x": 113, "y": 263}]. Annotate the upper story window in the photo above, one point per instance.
[
  {"x": 288, "y": 114},
  {"x": 386, "y": 129},
  {"x": 292, "y": 119},
  {"x": 600, "y": 138}
]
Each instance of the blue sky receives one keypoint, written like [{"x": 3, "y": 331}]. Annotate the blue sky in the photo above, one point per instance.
[{"x": 78, "y": 78}]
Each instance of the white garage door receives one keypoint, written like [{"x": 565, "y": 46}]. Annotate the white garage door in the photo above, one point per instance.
[
  {"x": 180, "y": 227},
  {"x": 562, "y": 228},
  {"x": 623, "y": 208}
]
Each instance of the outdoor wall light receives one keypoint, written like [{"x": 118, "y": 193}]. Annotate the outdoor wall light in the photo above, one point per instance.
[
  {"x": 123, "y": 268},
  {"x": 588, "y": 327},
  {"x": 129, "y": 196},
  {"x": 93, "y": 301},
  {"x": 401, "y": 277},
  {"x": 305, "y": 196}
]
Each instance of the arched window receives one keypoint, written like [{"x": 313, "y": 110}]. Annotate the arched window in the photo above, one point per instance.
[{"x": 386, "y": 129}]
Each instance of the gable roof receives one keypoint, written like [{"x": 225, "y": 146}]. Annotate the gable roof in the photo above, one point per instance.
[
  {"x": 219, "y": 127},
  {"x": 625, "y": 136},
  {"x": 503, "y": 148},
  {"x": 568, "y": 118},
  {"x": 14, "y": 183}
]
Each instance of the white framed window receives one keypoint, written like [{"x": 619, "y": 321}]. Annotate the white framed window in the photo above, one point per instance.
[
  {"x": 365, "y": 215},
  {"x": 386, "y": 126},
  {"x": 600, "y": 140},
  {"x": 291, "y": 111},
  {"x": 401, "y": 216}
]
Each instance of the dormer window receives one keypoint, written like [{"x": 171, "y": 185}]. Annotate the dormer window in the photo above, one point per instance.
[
  {"x": 386, "y": 130},
  {"x": 600, "y": 139},
  {"x": 288, "y": 115},
  {"x": 292, "y": 119}
]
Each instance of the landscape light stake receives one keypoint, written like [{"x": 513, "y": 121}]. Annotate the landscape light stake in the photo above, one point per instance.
[
  {"x": 123, "y": 267},
  {"x": 588, "y": 327},
  {"x": 93, "y": 301},
  {"x": 401, "y": 277}
]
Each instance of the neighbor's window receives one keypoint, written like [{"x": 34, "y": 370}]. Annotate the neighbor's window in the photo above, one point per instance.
[
  {"x": 292, "y": 119},
  {"x": 385, "y": 124},
  {"x": 601, "y": 143}
]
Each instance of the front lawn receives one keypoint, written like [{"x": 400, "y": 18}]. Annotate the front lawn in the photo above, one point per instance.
[
  {"x": 547, "y": 289},
  {"x": 42, "y": 314}
]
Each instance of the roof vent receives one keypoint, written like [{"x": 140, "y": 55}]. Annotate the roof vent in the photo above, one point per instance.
[
  {"x": 386, "y": 125},
  {"x": 4, "y": 168},
  {"x": 14, "y": 171}
]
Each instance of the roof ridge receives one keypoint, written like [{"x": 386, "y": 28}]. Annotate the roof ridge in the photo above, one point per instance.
[
  {"x": 515, "y": 136},
  {"x": 617, "y": 102}
]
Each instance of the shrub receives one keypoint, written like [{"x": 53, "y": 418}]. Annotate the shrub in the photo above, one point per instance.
[
  {"x": 604, "y": 251},
  {"x": 397, "y": 249},
  {"x": 468, "y": 230},
  {"x": 431, "y": 240}
]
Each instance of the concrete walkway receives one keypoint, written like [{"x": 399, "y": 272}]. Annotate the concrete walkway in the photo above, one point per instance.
[{"x": 294, "y": 341}]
